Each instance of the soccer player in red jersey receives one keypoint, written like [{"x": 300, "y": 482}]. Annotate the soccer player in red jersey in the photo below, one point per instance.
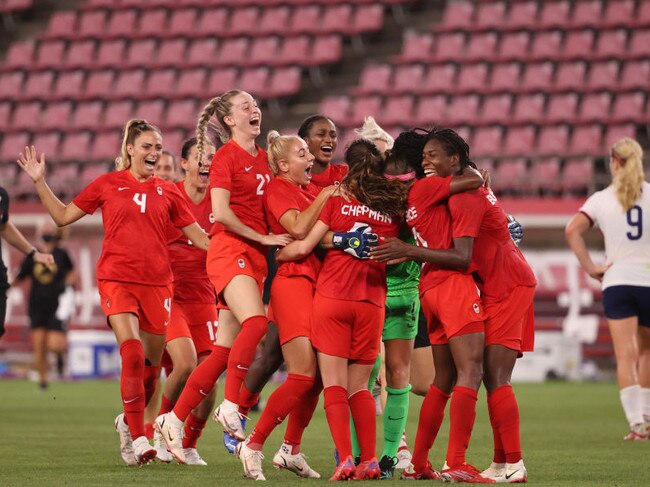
[
  {"x": 348, "y": 311},
  {"x": 134, "y": 277},
  {"x": 236, "y": 262},
  {"x": 320, "y": 134},
  {"x": 193, "y": 323}
]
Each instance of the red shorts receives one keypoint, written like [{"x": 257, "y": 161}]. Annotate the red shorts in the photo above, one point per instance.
[
  {"x": 230, "y": 256},
  {"x": 291, "y": 302},
  {"x": 511, "y": 321},
  {"x": 348, "y": 329},
  {"x": 453, "y": 308},
  {"x": 151, "y": 304},
  {"x": 197, "y": 321}
]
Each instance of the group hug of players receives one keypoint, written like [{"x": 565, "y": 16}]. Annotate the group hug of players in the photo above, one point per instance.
[{"x": 414, "y": 211}]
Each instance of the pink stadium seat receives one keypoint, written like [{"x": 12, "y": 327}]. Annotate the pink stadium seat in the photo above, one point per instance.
[
  {"x": 462, "y": 109},
  {"x": 510, "y": 176},
  {"x": 5, "y": 115},
  {"x": 618, "y": 13},
  {"x": 505, "y": 77},
  {"x": 570, "y": 75},
  {"x": 577, "y": 175},
  {"x": 140, "y": 54},
  {"x": 11, "y": 83},
  {"x": 47, "y": 143},
  {"x": 416, "y": 47},
  {"x": 295, "y": 50},
  {"x": 153, "y": 23},
  {"x": 490, "y": 15},
  {"x": 586, "y": 13},
  {"x": 603, "y": 75},
  {"x": 586, "y": 139},
  {"x": 12, "y": 144},
  {"x": 335, "y": 18},
  {"x": 211, "y": 21},
  {"x": 173, "y": 139},
  {"x": 635, "y": 74},
  {"x": 367, "y": 18},
  {"x": 522, "y": 15},
  {"x": 181, "y": 22},
  {"x": 129, "y": 84},
  {"x": 554, "y": 14},
  {"x": 106, "y": 147},
  {"x": 361, "y": 108},
  {"x": 63, "y": 25},
  {"x": 92, "y": 23},
  {"x": 7, "y": 173},
  {"x": 242, "y": 21},
  {"x": 151, "y": 111},
  {"x": 595, "y": 107},
  {"x": 537, "y": 76},
  {"x": 639, "y": 44},
  {"x": 255, "y": 81},
  {"x": 397, "y": 110},
  {"x": 562, "y": 108},
  {"x": 375, "y": 78},
  {"x": 514, "y": 46},
  {"x": 76, "y": 147},
  {"x": 457, "y": 16},
  {"x": 430, "y": 110},
  {"x": 191, "y": 83},
  {"x": 546, "y": 45},
  {"x": 496, "y": 109},
  {"x": 519, "y": 140},
  {"x": 408, "y": 78},
  {"x": 201, "y": 52},
  {"x": 544, "y": 176},
  {"x": 304, "y": 18},
  {"x": 90, "y": 172},
  {"x": 472, "y": 78},
  {"x": 449, "y": 47},
  {"x": 99, "y": 84},
  {"x": 50, "y": 54},
  {"x": 221, "y": 80},
  {"x": 578, "y": 44},
  {"x": 440, "y": 78},
  {"x": 171, "y": 52},
  {"x": 487, "y": 141},
  {"x": 528, "y": 108},
  {"x": 87, "y": 115},
  {"x": 122, "y": 24},
  {"x": 481, "y": 47},
  {"x": 110, "y": 54},
  {"x": 232, "y": 52},
  {"x": 553, "y": 139},
  {"x": 285, "y": 82},
  {"x": 81, "y": 54},
  {"x": 642, "y": 18},
  {"x": 326, "y": 50},
  {"x": 98, "y": 4},
  {"x": 264, "y": 51},
  {"x": 160, "y": 84},
  {"x": 57, "y": 116},
  {"x": 38, "y": 85},
  {"x": 611, "y": 44},
  {"x": 117, "y": 113},
  {"x": 629, "y": 107},
  {"x": 274, "y": 20},
  {"x": 182, "y": 113},
  {"x": 20, "y": 55},
  {"x": 616, "y": 132},
  {"x": 335, "y": 107},
  {"x": 64, "y": 178}
]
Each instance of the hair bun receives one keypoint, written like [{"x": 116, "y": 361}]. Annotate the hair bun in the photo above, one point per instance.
[{"x": 271, "y": 136}]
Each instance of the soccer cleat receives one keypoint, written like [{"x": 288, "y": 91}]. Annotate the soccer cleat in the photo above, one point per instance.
[
  {"x": 143, "y": 451},
  {"x": 160, "y": 446},
  {"x": 638, "y": 432},
  {"x": 387, "y": 466},
  {"x": 403, "y": 457},
  {"x": 192, "y": 457},
  {"x": 464, "y": 473},
  {"x": 171, "y": 430},
  {"x": 495, "y": 471},
  {"x": 229, "y": 417},
  {"x": 345, "y": 470},
  {"x": 229, "y": 441},
  {"x": 515, "y": 473},
  {"x": 297, "y": 464},
  {"x": 428, "y": 473},
  {"x": 251, "y": 460},
  {"x": 368, "y": 470},
  {"x": 126, "y": 443}
]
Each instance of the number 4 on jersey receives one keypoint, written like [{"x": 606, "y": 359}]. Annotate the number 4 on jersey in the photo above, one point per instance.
[{"x": 140, "y": 200}]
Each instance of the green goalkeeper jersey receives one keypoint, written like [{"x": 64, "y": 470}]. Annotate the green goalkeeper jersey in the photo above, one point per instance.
[{"x": 403, "y": 278}]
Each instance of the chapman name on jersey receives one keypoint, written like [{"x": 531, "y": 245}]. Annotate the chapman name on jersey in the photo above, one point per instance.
[{"x": 364, "y": 211}]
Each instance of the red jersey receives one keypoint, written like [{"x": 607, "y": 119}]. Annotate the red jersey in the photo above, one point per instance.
[
  {"x": 343, "y": 276},
  {"x": 431, "y": 223},
  {"x": 500, "y": 264},
  {"x": 136, "y": 216},
  {"x": 280, "y": 196},
  {"x": 245, "y": 177},
  {"x": 333, "y": 174},
  {"x": 191, "y": 282}
]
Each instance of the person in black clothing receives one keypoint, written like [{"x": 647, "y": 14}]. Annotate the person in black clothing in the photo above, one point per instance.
[
  {"x": 12, "y": 235},
  {"x": 51, "y": 301}
]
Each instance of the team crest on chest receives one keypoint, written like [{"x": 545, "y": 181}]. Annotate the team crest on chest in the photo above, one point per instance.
[
  {"x": 159, "y": 190},
  {"x": 211, "y": 218}
]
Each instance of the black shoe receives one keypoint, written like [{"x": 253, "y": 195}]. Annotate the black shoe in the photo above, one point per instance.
[
  {"x": 387, "y": 467},
  {"x": 357, "y": 461}
]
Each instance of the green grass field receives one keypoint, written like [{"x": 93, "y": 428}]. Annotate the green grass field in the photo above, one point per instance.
[{"x": 571, "y": 433}]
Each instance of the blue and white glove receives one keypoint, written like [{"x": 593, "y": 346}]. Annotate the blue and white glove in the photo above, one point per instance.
[
  {"x": 515, "y": 229},
  {"x": 356, "y": 243}
]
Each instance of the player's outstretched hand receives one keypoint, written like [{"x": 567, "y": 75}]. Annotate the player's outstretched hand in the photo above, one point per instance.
[
  {"x": 392, "y": 251},
  {"x": 356, "y": 243},
  {"x": 515, "y": 229},
  {"x": 279, "y": 240},
  {"x": 46, "y": 259},
  {"x": 32, "y": 165}
]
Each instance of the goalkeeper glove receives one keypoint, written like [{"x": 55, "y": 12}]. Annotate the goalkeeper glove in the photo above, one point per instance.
[
  {"x": 515, "y": 229},
  {"x": 356, "y": 243}
]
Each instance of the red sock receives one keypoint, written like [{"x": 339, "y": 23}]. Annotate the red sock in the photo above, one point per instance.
[
  {"x": 132, "y": 385},
  {"x": 148, "y": 431},
  {"x": 337, "y": 410},
  {"x": 280, "y": 403},
  {"x": 151, "y": 374},
  {"x": 247, "y": 399},
  {"x": 499, "y": 454},
  {"x": 193, "y": 429},
  {"x": 431, "y": 415},
  {"x": 243, "y": 353},
  {"x": 301, "y": 415},
  {"x": 462, "y": 413},
  {"x": 362, "y": 406},
  {"x": 165, "y": 405},
  {"x": 503, "y": 405},
  {"x": 201, "y": 381}
]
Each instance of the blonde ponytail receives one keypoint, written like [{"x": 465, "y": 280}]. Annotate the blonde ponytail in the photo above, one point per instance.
[
  {"x": 219, "y": 106},
  {"x": 278, "y": 148},
  {"x": 629, "y": 177}
]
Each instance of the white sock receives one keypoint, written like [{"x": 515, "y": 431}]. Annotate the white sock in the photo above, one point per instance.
[
  {"x": 645, "y": 403},
  {"x": 631, "y": 401}
]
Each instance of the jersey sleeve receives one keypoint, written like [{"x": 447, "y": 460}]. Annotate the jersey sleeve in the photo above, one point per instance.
[
  {"x": 278, "y": 203},
  {"x": 179, "y": 213},
  {"x": 221, "y": 169},
  {"x": 4, "y": 206},
  {"x": 466, "y": 211},
  {"x": 327, "y": 212},
  {"x": 90, "y": 197},
  {"x": 591, "y": 208}
]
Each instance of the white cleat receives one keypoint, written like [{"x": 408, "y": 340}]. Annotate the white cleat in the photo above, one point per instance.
[
  {"x": 297, "y": 464},
  {"x": 192, "y": 457},
  {"x": 171, "y": 430},
  {"x": 162, "y": 453},
  {"x": 496, "y": 472},
  {"x": 638, "y": 432},
  {"x": 144, "y": 452},
  {"x": 251, "y": 460},
  {"x": 515, "y": 473},
  {"x": 404, "y": 458},
  {"x": 229, "y": 417},
  {"x": 126, "y": 443}
]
